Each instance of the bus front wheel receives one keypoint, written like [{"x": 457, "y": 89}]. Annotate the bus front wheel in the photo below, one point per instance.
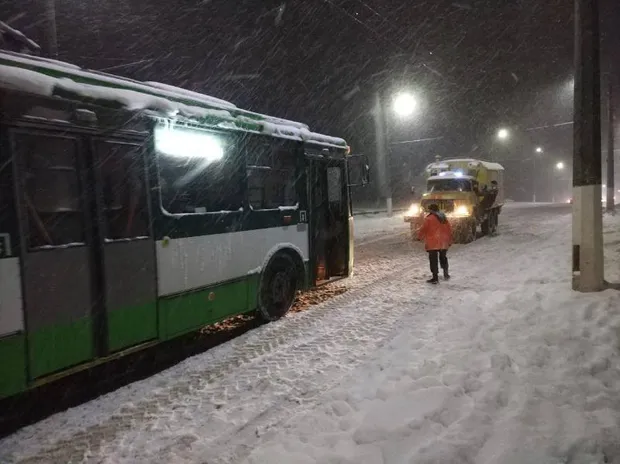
[{"x": 278, "y": 287}]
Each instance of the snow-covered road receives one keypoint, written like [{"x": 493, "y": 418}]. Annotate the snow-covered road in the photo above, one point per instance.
[{"x": 503, "y": 364}]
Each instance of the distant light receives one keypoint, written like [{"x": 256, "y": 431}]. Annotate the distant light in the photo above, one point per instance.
[
  {"x": 604, "y": 186},
  {"x": 539, "y": 150},
  {"x": 458, "y": 174},
  {"x": 560, "y": 165},
  {"x": 404, "y": 104},
  {"x": 502, "y": 134},
  {"x": 183, "y": 143},
  {"x": 441, "y": 174}
]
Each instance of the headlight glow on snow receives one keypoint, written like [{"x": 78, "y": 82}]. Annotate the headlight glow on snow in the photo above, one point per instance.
[
  {"x": 414, "y": 210},
  {"x": 183, "y": 143}
]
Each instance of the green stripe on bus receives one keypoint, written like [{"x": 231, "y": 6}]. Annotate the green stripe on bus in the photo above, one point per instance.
[
  {"x": 187, "y": 312},
  {"x": 12, "y": 365},
  {"x": 132, "y": 325},
  {"x": 60, "y": 346}
]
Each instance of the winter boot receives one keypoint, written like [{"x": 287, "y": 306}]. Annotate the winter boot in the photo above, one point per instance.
[
  {"x": 434, "y": 280},
  {"x": 446, "y": 275}
]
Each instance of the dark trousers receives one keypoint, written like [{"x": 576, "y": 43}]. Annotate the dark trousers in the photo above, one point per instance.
[{"x": 436, "y": 257}]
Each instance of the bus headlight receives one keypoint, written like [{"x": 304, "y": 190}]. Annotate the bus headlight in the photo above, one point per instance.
[
  {"x": 462, "y": 211},
  {"x": 413, "y": 210}
]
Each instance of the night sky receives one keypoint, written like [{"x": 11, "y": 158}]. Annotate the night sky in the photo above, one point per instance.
[{"x": 475, "y": 65}]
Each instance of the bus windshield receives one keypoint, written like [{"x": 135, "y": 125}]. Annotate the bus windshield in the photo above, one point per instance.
[{"x": 449, "y": 185}]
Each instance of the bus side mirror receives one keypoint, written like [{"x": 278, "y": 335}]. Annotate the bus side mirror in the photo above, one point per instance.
[{"x": 359, "y": 170}]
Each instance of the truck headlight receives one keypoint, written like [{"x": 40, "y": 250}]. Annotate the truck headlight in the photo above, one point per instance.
[
  {"x": 462, "y": 211},
  {"x": 413, "y": 210}
]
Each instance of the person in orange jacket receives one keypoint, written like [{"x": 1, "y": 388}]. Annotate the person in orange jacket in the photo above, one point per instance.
[{"x": 436, "y": 233}]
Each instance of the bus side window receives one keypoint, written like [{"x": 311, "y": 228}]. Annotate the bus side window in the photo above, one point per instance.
[
  {"x": 121, "y": 173},
  {"x": 52, "y": 193},
  {"x": 271, "y": 173},
  {"x": 334, "y": 184},
  {"x": 195, "y": 184}
]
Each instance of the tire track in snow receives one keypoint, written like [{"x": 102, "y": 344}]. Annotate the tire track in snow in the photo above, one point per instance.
[{"x": 330, "y": 330}]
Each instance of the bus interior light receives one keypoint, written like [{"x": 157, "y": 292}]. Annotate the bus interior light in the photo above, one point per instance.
[{"x": 181, "y": 143}]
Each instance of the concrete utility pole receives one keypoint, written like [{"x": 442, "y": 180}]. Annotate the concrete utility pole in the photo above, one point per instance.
[
  {"x": 588, "y": 269},
  {"x": 611, "y": 184},
  {"x": 50, "y": 43},
  {"x": 381, "y": 138}
]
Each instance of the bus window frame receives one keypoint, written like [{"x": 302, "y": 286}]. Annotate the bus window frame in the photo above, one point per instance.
[
  {"x": 229, "y": 136},
  {"x": 25, "y": 221},
  {"x": 295, "y": 150}
]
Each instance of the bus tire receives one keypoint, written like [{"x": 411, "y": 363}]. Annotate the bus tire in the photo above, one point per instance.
[{"x": 279, "y": 283}]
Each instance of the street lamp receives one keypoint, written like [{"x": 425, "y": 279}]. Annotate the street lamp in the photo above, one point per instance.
[
  {"x": 502, "y": 134},
  {"x": 559, "y": 166},
  {"x": 404, "y": 104},
  {"x": 539, "y": 150}
]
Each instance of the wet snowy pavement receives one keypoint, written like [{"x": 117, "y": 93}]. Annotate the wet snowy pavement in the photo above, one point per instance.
[{"x": 503, "y": 364}]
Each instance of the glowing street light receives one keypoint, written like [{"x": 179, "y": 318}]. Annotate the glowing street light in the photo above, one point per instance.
[
  {"x": 404, "y": 104},
  {"x": 539, "y": 150},
  {"x": 559, "y": 166},
  {"x": 502, "y": 134}
]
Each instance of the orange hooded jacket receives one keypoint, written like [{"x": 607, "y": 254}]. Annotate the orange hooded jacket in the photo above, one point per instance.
[{"x": 436, "y": 232}]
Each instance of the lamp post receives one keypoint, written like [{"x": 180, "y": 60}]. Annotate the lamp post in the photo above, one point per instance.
[
  {"x": 538, "y": 151},
  {"x": 588, "y": 270},
  {"x": 404, "y": 104},
  {"x": 559, "y": 166},
  {"x": 611, "y": 203}
]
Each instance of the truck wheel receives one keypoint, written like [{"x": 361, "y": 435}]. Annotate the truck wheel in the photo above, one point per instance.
[
  {"x": 486, "y": 225},
  {"x": 467, "y": 234},
  {"x": 493, "y": 220},
  {"x": 278, "y": 287},
  {"x": 470, "y": 231}
]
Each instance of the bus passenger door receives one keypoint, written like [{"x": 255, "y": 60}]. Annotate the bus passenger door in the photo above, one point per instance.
[
  {"x": 55, "y": 238},
  {"x": 128, "y": 272},
  {"x": 329, "y": 219}
]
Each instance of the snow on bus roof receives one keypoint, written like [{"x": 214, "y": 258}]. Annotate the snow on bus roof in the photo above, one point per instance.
[{"x": 49, "y": 78}]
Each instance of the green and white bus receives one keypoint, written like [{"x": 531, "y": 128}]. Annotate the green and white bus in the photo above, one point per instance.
[{"x": 132, "y": 213}]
